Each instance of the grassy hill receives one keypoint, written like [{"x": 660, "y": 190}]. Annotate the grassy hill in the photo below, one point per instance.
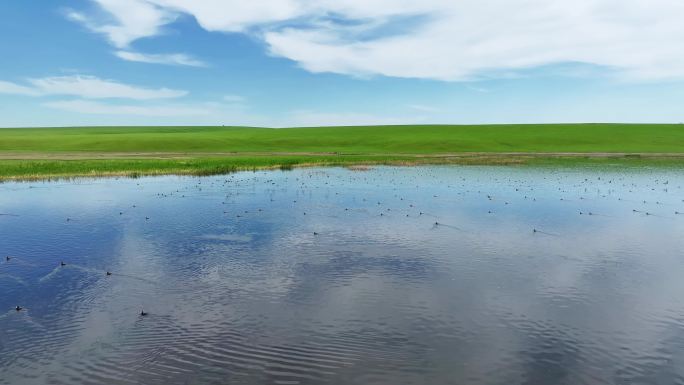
[{"x": 430, "y": 139}]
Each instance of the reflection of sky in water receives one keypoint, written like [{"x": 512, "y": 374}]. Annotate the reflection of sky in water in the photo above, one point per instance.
[{"x": 240, "y": 290}]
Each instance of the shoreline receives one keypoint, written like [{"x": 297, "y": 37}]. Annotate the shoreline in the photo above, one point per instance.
[{"x": 33, "y": 166}]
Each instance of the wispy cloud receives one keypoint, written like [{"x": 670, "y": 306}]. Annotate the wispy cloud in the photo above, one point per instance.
[
  {"x": 446, "y": 40},
  {"x": 92, "y": 107},
  {"x": 16, "y": 89},
  {"x": 89, "y": 87},
  {"x": 171, "y": 59},
  {"x": 128, "y": 20}
]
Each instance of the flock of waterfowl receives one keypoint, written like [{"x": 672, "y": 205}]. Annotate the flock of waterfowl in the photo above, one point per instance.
[{"x": 463, "y": 187}]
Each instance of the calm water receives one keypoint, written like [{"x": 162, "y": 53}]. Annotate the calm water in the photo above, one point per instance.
[{"x": 414, "y": 276}]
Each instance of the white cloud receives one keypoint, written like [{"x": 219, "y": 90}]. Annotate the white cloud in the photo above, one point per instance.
[
  {"x": 466, "y": 39},
  {"x": 133, "y": 19},
  {"x": 89, "y": 87},
  {"x": 173, "y": 58},
  {"x": 92, "y": 107},
  {"x": 432, "y": 39}
]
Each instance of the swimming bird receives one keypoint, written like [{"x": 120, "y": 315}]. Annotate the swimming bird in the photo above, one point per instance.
[
  {"x": 62, "y": 263},
  {"x": 7, "y": 258},
  {"x": 143, "y": 313},
  {"x": 109, "y": 273},
  {"x": 18, "y": 308}
]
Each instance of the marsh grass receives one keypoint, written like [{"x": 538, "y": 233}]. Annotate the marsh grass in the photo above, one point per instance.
[{"x": 57, "y": 169}]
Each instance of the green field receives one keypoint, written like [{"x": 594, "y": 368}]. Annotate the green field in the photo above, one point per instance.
[
  {"x": 83, "y": 151},
  {"x": 361, "y": 140}
]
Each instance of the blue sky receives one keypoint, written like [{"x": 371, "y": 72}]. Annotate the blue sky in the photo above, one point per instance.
[{"x": 302, "y": 62}]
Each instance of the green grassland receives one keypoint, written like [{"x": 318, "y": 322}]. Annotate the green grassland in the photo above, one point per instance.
[
  {"x": 90, "y": 151},
  {"x": 360, "y": 139}
]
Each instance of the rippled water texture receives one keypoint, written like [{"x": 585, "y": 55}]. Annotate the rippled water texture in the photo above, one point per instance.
[{"x": 441, "y": 275}]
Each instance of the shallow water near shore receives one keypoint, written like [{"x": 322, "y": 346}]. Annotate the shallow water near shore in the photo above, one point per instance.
[{"x": 392, "y": 275}]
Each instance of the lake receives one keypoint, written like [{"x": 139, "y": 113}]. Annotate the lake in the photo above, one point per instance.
[{"x": 389, "y": 275}]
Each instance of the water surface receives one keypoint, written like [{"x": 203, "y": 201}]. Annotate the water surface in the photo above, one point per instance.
[{"x": 440, "y": 275}]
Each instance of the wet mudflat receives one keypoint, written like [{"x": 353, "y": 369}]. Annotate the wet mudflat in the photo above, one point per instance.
[{"x": 441, "y": 275}]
